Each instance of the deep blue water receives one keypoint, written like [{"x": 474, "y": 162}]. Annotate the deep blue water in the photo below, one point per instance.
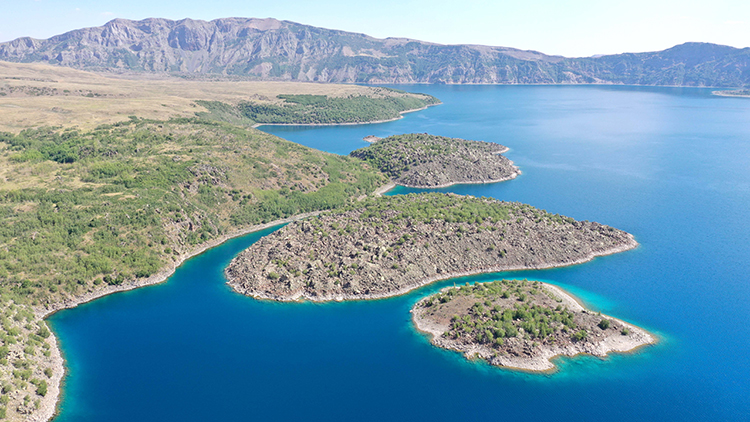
[{"x": 669, "y": 165}]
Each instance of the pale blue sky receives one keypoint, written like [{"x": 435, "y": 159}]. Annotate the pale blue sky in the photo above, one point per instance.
[{"x": 569, "y": 28}]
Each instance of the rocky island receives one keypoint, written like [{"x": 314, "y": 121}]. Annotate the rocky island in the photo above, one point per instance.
[
  {"x": 421, "y": 160},
  {"x": 387, "y": 246},
  {"x": 521, "y": 324},
  {"x": 742, "y": 93}
]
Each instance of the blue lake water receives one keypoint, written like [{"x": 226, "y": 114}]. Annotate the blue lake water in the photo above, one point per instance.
[{"x": 670, "y": 165}]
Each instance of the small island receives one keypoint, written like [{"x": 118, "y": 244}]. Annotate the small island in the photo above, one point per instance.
[
  {"x": 420, "y": 160},
  {"x": 371, "y": 138},
  {"x": 742, "y": 93},
  {"x": 521, "y": 324},
  {"x": 387, "y": 246}
]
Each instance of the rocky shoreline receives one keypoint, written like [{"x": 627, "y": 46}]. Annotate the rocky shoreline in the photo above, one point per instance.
[
  {"x": 354, "y": 255},
  {"x": 48, "y": 406},
  {"x": 517, "y": 173},
  {"x": 732, "y": 93},
  {"x": 427, "y": 161},
  {"x": 519, "y": 352},
  {"x": 429, "y": 280}
]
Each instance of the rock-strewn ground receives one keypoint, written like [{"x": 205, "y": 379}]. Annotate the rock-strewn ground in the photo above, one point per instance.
[
  {"x": 30, "y": 365},
  {"x": 521, "y": 324},
  {"x": 428, "y": 161},
  {"x": 387, "y": 246}
]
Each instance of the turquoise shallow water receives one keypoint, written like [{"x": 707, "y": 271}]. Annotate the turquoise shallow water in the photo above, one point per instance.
[{"x": 669, "y": 165}]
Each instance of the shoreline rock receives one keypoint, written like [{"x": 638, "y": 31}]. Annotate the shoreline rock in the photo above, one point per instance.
[{"x": 48, "y": 406}]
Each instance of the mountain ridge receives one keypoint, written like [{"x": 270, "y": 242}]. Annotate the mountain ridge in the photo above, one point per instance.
[{"x": 271, "y": 49}]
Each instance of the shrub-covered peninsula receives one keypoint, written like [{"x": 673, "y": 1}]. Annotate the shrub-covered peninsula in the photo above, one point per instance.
[
  {"x": 521, "y": 324},
  {"x": 386, "y": 246},
  {"x": 427, "y": 161}
]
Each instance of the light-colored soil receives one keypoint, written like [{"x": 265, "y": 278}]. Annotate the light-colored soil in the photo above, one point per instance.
[{"x": 43, "y": 95}]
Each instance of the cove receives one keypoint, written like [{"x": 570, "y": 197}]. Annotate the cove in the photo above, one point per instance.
[{"x": 668, "y": 165}]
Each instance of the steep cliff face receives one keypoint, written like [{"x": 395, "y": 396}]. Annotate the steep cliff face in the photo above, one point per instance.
[{"x": 272, "y": 49}]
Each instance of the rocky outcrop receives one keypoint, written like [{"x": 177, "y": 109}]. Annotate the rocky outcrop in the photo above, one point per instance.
[
  {"x": 521, "y": 324},
  {"x": 387, "y": 246},
  {"x": 272, "y": 49},
  {"x": 428, "y": 161}
]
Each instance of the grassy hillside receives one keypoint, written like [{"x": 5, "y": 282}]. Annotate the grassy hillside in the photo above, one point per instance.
[
  {"x": 33, "y": 95},
  {"x": 85, "y": 209}
]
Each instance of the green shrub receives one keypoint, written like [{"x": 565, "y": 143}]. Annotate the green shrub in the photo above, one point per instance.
[
  {"x": 579, "y": 335},
  {"x": 41, "y": 386},
  {"x": 23, "y": 374}
]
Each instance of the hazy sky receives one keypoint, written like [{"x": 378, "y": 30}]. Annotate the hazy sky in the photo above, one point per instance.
[{"x": 564, "y": 27}]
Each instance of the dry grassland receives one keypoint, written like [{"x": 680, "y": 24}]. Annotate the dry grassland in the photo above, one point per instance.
[{"x": 33, "y": 95}]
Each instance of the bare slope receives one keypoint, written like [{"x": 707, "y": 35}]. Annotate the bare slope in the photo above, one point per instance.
[
  {"x": 282, "y": 50},
  {"x": 387, "y": 246},
  {"x": 33, "y": 95},
  {"x": 428, "y": 161}
]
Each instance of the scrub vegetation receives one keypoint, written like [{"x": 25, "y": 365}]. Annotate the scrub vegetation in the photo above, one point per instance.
[
  {"x": 381, "y": 104},
  {"x": 87, "y": 209},
  {"x": 508, "y": 309},
  {"x": 82, "y": 211}
]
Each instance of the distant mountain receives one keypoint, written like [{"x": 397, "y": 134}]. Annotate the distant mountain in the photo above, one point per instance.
[{"x": 272, "y": 49}]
